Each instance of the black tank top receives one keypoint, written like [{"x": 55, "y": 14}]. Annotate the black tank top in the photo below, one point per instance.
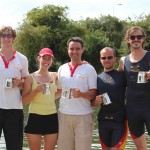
[{"x": 138, "y": 94}]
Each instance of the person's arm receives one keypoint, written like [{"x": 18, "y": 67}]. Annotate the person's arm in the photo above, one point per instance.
[
  {"x": 17, "y": 83},
  {"x": 86, "y": 95},
  {"x": 97, "y": 101},
  {"x": 121, "y": 64},
  {"x": 59, "y": 91},
  {"x": 92, "y": 84},
  {"x": 27, "y": 93}
]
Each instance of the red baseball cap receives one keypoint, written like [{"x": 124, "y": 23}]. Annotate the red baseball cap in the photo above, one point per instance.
[{"x": 46, "y": 51}]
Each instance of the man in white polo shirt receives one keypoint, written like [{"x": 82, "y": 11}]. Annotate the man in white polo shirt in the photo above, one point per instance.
[
  {"x": 13, "y": 67},
  {"x": 78, "y": 82}
]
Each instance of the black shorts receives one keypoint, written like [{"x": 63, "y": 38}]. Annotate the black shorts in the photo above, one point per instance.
[
  {"x": 137, "y": 121},
  {"x": 112, "y": 133},
  {"x": 42, "y": 124}
]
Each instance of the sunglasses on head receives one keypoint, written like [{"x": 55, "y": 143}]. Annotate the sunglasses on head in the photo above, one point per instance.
[
  {"x": 6, "y": 35},
  {"x": 108, "y": 58},
  {"x": 133, "y": 37}
]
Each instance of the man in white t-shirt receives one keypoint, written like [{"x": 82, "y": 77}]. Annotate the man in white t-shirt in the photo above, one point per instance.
[
  {"x": 78, "y": 82},
  {"x": 13, "y": 67}
]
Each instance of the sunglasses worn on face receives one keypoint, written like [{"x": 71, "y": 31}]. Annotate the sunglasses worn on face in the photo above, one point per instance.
[
  {"x": 6, "y": 35},
  {"x": 133, "y": 37},
  {"x": 108, "y": 58}
]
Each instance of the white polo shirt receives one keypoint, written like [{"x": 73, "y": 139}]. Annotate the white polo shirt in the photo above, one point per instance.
[
  {"x": 84, "y": 78},
  {"x": 10, "y": 98}
]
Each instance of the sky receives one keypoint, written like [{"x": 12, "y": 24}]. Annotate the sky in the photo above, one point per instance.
[{"x": 12, "y": 12}]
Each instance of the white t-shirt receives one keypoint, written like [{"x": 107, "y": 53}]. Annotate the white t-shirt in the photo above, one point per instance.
[
  {"x": 84, "y": 78},
  {"x": 10, "y": 98}
]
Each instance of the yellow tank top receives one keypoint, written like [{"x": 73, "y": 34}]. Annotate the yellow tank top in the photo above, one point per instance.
[{"x": 43, "y": 104}]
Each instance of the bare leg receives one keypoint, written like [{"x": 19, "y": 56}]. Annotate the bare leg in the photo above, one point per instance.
[
  {"x": 50, "y": 141},
  {"x": 141, "y": 143},
  {"x": 34, "y": 141}
]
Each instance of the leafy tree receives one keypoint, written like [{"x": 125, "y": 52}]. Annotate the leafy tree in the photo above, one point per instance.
[
  {"x": 112, "y": 27},
  {"x": 46, "y": 27},
  {"x": 94, "y": 42},
  {"x": 49, "y": 26}
]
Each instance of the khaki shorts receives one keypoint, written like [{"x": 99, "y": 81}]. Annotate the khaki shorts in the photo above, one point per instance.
[{"x": 75, "y": 131}]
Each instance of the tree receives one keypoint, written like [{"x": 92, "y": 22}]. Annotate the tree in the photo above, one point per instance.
[
  {"x": 46, "y": 27},
  {"x": 49, "y": 26},
  {"x": 94, "y": 42}
]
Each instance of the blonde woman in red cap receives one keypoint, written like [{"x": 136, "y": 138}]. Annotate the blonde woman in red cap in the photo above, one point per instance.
[{"x": 39, "y": 91}]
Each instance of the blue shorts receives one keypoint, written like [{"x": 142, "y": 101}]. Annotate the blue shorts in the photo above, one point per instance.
[
  {"x": 11, "y": 122},
  {"x": 42, "y": 124}
]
